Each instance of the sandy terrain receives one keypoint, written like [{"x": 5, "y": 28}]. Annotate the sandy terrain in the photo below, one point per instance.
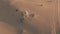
[
  {"x": 6, "y": 28},
  {"x": 45, "y": 9},
  {"x": 41, "y": 23}
]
